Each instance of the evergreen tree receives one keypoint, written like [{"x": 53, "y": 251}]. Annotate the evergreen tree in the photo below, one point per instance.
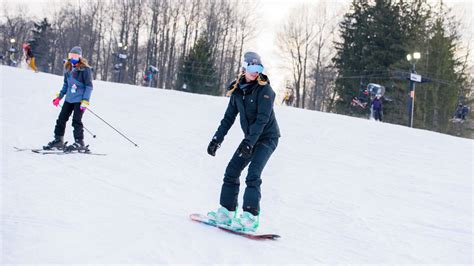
[
  {"x": 438, "y": 99},
  {"x": 372, "y": 40},
  {"x": 41, "y": 44},
  {"x": 198, "y": 71},
  {"x": 351, "y": 52},
  {"x": 415, "y": 26}
]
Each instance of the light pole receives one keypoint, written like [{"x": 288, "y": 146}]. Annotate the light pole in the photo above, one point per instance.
[
  {"x": 412, "y": 58},
  {"x": 12, "y": 51},
  {"x": 119, "y": 61},
  {"x": 121, "y": 58}
]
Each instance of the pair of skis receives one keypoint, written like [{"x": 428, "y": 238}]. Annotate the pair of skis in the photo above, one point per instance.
[
  {"x": 59, "y": 152},
  {"x": 251, "y": 235}
]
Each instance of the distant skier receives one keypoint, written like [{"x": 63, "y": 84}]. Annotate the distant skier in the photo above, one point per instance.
[
  {"x": 377, "y": 107},
  {"x": 465, "y": 111},
  {"x": 77, "y": 88},
  {"x": 252, "y": 96},
  {"x": 289, "y": 97},
  {"x": 460, "y": 113},
  {"x": 29, "y": 57}
]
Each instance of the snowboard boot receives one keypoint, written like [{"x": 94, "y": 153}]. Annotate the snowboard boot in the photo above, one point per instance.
[
  {"x": 222, "y": 216},
  {"x": 78, "y": 145},
  {"x": 57, "y": 143},
  {"x": 248, "y": 222}
]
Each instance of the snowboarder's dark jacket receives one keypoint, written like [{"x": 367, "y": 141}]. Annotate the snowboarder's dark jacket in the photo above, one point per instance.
[{"x": 254, "y": 102}]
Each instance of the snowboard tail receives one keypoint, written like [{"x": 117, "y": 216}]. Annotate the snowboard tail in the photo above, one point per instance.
[{"x": 251, "y": 235}]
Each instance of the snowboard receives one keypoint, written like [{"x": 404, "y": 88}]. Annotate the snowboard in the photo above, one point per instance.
[
  {"x": 57, "y": 152},
  {"x": 251, "y": 235}
]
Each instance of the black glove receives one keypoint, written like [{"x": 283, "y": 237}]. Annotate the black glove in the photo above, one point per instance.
[
  {"x": 212, "y": 148},
  {"x": 245, "y": 150}
]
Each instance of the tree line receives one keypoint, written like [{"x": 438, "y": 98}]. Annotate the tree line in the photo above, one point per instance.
[{"x": 122, "y": 38}]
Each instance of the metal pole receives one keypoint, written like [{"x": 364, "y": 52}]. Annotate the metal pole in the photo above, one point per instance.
[
  {"x": 412, "y": 104},
  {"x": 92, "y": 134},
  {"x": 413, "y": 96},
  {"x": 85, "y": 128},
  {"x": 136, "y": 145}
]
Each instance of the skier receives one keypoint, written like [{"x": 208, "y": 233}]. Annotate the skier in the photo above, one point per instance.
[
  {"x": 29, "y": 57},
  {"x": 465, "y": 111},
  {"x": 252, "y": 96},
  {"x": 377, "y": 107},
  {"x": 458, "y": 113},
  {"x": 77, "y": 88}
]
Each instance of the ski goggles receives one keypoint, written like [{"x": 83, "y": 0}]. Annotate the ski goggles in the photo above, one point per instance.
[
  {"x": 253, "y": 68},
  {"x": 73, "y": 56}
]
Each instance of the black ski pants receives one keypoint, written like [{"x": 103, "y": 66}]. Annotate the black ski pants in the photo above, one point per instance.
[
  {"x": 66, "y": 111},
  {"x": 230, "y": 188}
]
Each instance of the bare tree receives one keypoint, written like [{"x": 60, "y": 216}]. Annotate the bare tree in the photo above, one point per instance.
[
  {"x": 14, "y": 31},
  {"x": 296, "y": 42},
  {"x": 323, "y": 74},
  {"x": 121, "y": 38}
]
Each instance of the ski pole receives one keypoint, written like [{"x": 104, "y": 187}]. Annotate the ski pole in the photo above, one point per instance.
[
  {"x": 92, "y": 134},
  {"x": 136, "y": 145},
  {"x": 88, "y": 131}
]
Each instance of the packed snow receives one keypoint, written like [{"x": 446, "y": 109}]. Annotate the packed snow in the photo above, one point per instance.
[{"x": 337, "y": 189}]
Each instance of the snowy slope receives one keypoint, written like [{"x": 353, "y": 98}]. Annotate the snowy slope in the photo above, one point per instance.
[{"x": 338, "y": 189}]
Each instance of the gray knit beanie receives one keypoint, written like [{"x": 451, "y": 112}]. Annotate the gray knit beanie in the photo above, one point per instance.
[
  {"x": 252, "y": 58},
  {"x": 76, "y": 50}
]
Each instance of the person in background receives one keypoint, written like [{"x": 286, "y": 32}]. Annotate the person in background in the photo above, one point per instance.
[
  {"x": 458, "y": 112},
  {"x": 377, "y": 107},
  {"x": 29, "y": 57},
  {"x": 465, "y": 111}
]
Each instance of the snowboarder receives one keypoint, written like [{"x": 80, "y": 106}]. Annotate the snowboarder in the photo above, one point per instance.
[
  {"x": 252, "y": 96},
  {"x": 29, "y": 57},
  {"x": 377, "y": 107},
  {"x": 77, "y": 88}
]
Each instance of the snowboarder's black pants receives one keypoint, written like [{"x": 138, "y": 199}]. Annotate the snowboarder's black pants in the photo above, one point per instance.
[
  {"x": 66, "y": 111},
  {"x": 230, "y": 189},
  {"x": 378, "y": 114}
]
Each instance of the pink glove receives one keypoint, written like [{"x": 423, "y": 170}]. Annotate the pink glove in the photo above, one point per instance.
[
  {"x": 84, "y": 105},
  {"x": 56, "y": 101}
]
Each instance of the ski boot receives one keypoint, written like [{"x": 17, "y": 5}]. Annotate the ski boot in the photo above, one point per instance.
[
  {"x": 78, "y": 146},
  {"x": 57, "y": 143},
  {"x": 222, "y": 216},
  {"x": 247, "y": 222}
]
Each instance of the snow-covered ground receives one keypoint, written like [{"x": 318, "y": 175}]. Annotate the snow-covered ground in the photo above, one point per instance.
[{"x": 337, "y": 189}]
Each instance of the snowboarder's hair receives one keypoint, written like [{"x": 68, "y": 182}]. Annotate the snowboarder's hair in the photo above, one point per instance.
[{"x": 262, "y": 81}]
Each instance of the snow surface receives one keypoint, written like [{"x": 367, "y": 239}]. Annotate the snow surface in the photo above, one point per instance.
[{"x": 337, "y": 189}]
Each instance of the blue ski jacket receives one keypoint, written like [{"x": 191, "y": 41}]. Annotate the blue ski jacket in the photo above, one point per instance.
[{"x": 77, "y": 83}]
